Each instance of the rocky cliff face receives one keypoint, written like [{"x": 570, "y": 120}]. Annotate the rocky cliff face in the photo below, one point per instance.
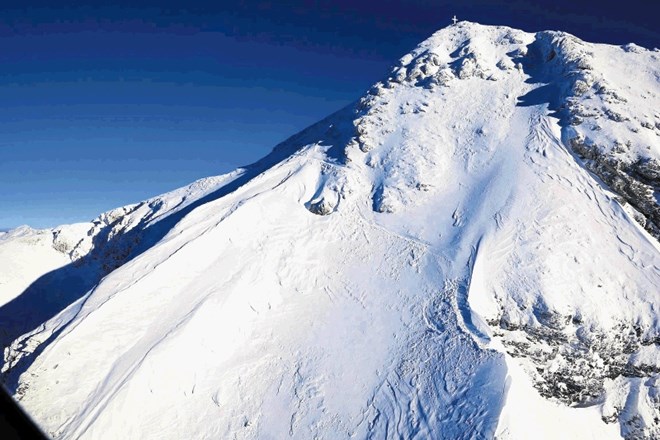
[{"x": 607, "y": 99}]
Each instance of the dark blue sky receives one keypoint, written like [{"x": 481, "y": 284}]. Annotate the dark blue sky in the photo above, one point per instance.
[{"x": 104, "y": 105}]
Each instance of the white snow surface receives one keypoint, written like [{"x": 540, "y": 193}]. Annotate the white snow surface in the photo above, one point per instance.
[{"x": 431, "y": 262}]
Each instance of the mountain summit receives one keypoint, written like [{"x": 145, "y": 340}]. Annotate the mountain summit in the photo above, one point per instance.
[{"x": 469, "y": 251}]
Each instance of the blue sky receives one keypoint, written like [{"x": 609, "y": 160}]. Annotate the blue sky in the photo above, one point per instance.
[{"x": 105, "y": 105}]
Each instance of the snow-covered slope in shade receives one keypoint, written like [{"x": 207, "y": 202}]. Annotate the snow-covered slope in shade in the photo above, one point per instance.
[
  {"x": 43, "y": 271},
  {"x": 436, "y": 261}
]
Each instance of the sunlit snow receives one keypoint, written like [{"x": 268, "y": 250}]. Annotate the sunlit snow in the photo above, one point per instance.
[{"x": 438, "y": 260}]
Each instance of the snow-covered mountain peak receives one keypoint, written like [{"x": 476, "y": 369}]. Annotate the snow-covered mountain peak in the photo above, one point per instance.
[
  {"x": 470, "y": 241},
  {"x": 581, "y": 83}
]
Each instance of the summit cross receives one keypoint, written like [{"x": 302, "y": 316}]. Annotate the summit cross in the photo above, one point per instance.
[{"x": 454, "y": 19}]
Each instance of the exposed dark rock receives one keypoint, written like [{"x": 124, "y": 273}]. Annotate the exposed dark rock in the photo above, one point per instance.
[
  {"x": 321, "y": 207},
  {"x": 571, "y": 362},
  {"x": 636, "y": 183}
]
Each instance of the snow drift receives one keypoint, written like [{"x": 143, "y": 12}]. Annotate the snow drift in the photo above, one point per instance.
[{"x": 468, "y": 251}]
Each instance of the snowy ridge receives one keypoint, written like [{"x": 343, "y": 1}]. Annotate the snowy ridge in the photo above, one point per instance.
[
  {"x": 614, "y": 124},
  {"x": 54, "y": 267},
  {"x": 434, "y": 261}
]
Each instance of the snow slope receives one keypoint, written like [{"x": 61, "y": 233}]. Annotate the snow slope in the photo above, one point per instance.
[{"x": 442, "y": 259}]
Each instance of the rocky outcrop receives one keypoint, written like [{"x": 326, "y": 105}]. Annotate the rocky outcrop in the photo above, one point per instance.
[
  {"x": 636, "y": 183},
  {"x": 574, "y": 364},
  {"x": 592, "y": 108}
]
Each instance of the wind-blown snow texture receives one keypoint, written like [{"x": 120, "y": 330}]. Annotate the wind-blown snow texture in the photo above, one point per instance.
[{"x": 466, "y": 252}]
